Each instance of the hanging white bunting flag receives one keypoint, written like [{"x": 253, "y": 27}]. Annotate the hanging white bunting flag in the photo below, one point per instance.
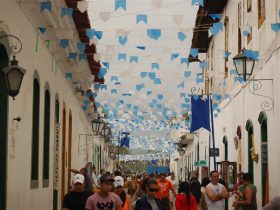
[
  {"x": 122, "y": 32},
  {"x": 93, "y": 41},
  {"x": 104, "y": 16},
  {"x": 177, "y": 19},
  {"x": 97, "y": 56},
  {"x": 82, "y": 6},
  {"x": 156, "y": 3},
  {"x": 202, "y": 56}
]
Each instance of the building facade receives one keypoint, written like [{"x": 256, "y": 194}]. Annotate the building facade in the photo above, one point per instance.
[
  {"x": 45, "y": 131},
  {"x": 246, "y": 119}
]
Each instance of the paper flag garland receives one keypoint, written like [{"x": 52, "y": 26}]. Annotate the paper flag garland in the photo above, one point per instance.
[
  {"x": 142, "y": 18},
  {"x": 181, "y": 36},
  {"x": 66, "y": 12},
  {"x": 82, "y": 6},
  {"x": 46, "y": 5},
  {"x": 122, "y": 56},
  {"x": 42, "y": 29},
  {"x": 154, "y": 33},
  {"x": 184, "y": 60},
  {"x": 120, "y": 4},
  {"x": 122, "y": 40},
  {"x": 156, "y": 3},
  {"x": 187, "y": 74},
  {"x": 90, "y": 33},
  {"x": 194, "y": 52},
  {"x": 199, "y": 2},
  {"x": 68, "y": 75},
  {"x": 105, "y": 16},
  {"x": 133, "y": 59},
  {"x": 177, "y": 19},
  {"x": 81, "y": 46},
  {"x": 275, "y": 27},
  {"x": 174, "y": 56},
  {"x": 72, "y": 56},
  {"x": 155, "y": 66},
  {"x": 64, "y": 43}
]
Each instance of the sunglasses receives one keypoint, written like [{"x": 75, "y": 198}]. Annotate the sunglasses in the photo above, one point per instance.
[{"x": 153, "y": 189}]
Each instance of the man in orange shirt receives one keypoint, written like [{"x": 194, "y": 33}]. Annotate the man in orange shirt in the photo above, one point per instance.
[{"x": 164, "y": 187}]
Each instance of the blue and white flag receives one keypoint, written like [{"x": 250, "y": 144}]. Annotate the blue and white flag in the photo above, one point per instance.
[{"x": 200, "y": 113}]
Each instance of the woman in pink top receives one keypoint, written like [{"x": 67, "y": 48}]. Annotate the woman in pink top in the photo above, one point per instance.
[{"x": 185, "y": 200}]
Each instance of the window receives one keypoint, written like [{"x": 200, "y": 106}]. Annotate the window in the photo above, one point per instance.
[
  {"x": 225, "y": 142},
  {"x": 226, "y": 25},
  {"x": 239, "y": 31},
  {"x": 250, "y": 131},
  {"x": 46, "y": 149},
  {"x": 264, "y": 158},
  {"x": 249, "y": 5},
  {"x": 35, "y": 134},
  {"x": 261, "y": 12}
]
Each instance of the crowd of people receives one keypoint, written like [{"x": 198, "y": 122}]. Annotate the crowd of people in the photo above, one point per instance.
[{"x": 119, "y": 191}]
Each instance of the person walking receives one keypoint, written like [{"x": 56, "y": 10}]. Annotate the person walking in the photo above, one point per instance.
[
  {"x": 185, "y": 200},
  {"x": 216, "y": 193},
  {"x": 164, "y": 187},
  {"x": 149, "y": 201},
  {"x": 88, "y": 180},
  {"x": 76, "y": 199},
  {"x": 119, "y": 190},
  {"x": 175, "y": 184},
  {"x": 104, "y": 199},
  {"x": 199, "y": 196},
  {"x": 248, "y": 200}
]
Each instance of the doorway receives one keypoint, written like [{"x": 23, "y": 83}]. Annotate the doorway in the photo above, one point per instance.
[
  {"x": 69, "y": 150},
  {"x": 4, "y": 61},
  {"x": 63, "y": 155}
]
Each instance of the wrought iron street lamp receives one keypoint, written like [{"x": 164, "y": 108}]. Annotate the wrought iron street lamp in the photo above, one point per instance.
[
  {"x": 13, "y": 74},
  {"x": 243, "y": 65},
  {"x": 97, "y": 126}
]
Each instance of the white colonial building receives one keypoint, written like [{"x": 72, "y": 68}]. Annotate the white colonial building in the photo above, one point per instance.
[{"x": 247, "y": 117}]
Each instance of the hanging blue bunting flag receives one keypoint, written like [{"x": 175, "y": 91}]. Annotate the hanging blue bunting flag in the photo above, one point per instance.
[
  {"x": 68, "y": 75},
  {"x": 122, "y": 56},
  {"x": 185, "y": 60},
  {"x": 122, "y": 40},
  {"x": 154, "y": 33},
  {"x": 194, "y": 52},
  {"x": 187, "y": 74},
  {"x": 66, "y": 11},
  {"x": 157, "y": 81},
  {"x": 215, "y": 16},
  {"x": 134, "y": 59},
  {"x": 113, "y": 91},
  {"x": 72, "y": 56},
  {"x": 142, "y": 18},
  {"x": 42, "y": 29},
  {"x": 152, "y": 75},
  {"x": 143, "y": 74},
  {"x": 46, "y": 5},
  {"x": 275, "y": 27},
  {"x": 90, "y": 33},
  {"x": 181, "y": 36},
  {"x": 199, "y": 2},
  {"x": 64, "y": 43},
  {"x": 106, "y": 64},
  {"x": 227, "y": 53},
  {"x": 81, "y": 46},
  {"x": 174, "y": 56},
  {"x": 114, "y": 78},
  {"x": 141, "y": 47},
  {"x": 155, "y": 66},
  {"x": 83, "y": 57},
  {"x": 120, "y": 4},
  {"x": 181, "y": 85}
]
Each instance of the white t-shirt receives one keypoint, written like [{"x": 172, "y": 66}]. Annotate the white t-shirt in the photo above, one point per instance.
[{"x": 217, "y": 189}]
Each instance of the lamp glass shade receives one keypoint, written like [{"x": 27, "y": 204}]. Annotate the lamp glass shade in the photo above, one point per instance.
[
  {"x": 240, "y": 64},
  {"x": 13, "y": 78},
  {"x": 97, "y": 126},
  {"x": 106, "y": 131},
  {"x": 249, "y": 66}
]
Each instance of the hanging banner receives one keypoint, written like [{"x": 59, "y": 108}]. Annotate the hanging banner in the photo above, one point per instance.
[{"x": 56, "y": 157}]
